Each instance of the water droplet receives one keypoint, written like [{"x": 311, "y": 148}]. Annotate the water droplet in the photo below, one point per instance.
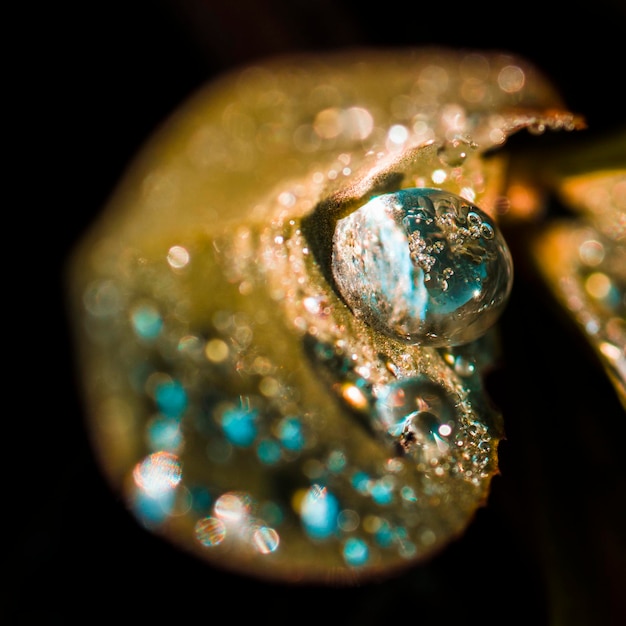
[
  {"x": 419, "y": 415},
  {"x": 424, "y": 266},
  {"x": 319, "y": 513},
  {"x": 355, "y": 551},
  {"x": 454, "y": 153}
]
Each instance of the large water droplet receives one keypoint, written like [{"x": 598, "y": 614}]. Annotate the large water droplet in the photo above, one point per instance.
[{"x": 424, "y": 266}]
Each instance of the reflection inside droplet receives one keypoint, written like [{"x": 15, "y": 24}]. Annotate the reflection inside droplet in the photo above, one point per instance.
[{"x": 419, "y": 414}]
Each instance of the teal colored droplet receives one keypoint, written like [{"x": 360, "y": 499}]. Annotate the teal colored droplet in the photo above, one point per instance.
[
  {"x": 384, "y": 535},
  {"x": 381, "y": 492},
  {"x": 336, "y": 461},
  {"x": 147, "y": 321},
  {"x": 153, "y": 509},
  {"x": 201, "y": 499},
  {"x": 290, "y": 433},
  {"x": 268, "y": 451},
  {"x": 164, "y": 434},
  {"x": 355, "y": 552},
  {"x": 171, "y": 398},
  {"x": 272, "y": 513},
  {"x": 360, "y": 481},
  {"x": 408, "y": 494},
  {"x": 319, "y": 513},
  {"x": 239, "y": 425}
]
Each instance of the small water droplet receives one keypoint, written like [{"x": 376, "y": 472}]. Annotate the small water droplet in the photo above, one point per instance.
[
  {"x": 419, "y": 414},
  {"x": 454, "y": 153}
]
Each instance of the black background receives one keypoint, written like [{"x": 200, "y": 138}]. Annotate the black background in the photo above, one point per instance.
[{"x": 97, "y": 79}]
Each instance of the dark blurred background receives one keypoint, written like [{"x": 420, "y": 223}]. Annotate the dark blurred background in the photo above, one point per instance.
[{"x": 547, "y": 550}]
